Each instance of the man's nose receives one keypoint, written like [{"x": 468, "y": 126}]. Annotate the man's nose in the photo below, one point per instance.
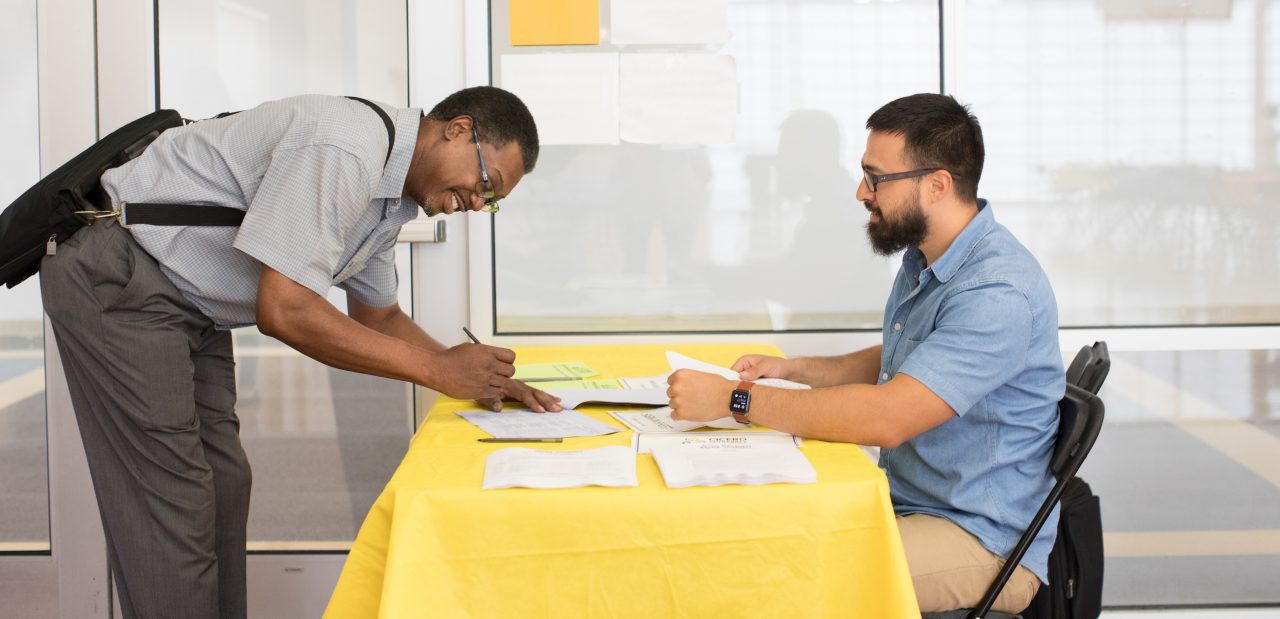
[{"x": 864, "y": 193}]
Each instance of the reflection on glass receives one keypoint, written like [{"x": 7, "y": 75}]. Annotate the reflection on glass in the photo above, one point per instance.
[
  {"x": 322, "y": 442},
  {"x": 24, "y": 486},
  {"x": 761, "y": 234},
  {"x": 1133, "y": 148}
]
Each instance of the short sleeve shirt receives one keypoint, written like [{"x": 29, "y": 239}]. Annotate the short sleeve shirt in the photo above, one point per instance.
[
  {"x": 979, "y": 328},
  {"x": 323, "y": 202}
]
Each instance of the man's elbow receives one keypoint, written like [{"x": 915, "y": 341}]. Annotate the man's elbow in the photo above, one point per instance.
[
  {"x": 891, "y": 439},
  {"x": 271, "y": 320}
]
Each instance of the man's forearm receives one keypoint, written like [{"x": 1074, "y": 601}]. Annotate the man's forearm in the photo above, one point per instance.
[
  {"x": 400, "y": 326},
  {"x": 317, "y": 329},
  {"x": 861, "y": 367}
]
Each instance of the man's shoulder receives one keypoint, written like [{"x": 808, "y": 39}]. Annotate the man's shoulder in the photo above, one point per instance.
[{"x": 999, "y": 257}]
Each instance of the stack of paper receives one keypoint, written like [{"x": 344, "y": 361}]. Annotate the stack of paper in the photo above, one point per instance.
[
  {"x": 741, "y": 458},
  {"x": 646, "y": 443},
  {"x": 531, "y": 468},
  {"x": 528, "y": 424}
]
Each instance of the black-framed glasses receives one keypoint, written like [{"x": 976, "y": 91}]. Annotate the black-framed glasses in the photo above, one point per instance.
[
  {"x": 485, "y": 188},
  {"x": 874, "y": 180}
]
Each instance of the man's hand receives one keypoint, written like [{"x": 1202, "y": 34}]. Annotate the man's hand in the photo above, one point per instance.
[
  {"x": 537, "y": 401},
  {"x": 752, "y": 367},
  {"x": 698, "y": 396},
  {"x": 472, "y": 371}
]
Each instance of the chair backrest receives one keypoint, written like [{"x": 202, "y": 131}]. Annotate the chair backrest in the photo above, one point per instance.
[
  {"x": 1080, "y": 414},
  {"x": 1090, "y": 367},
  {"x": 1080, "y": 420}
]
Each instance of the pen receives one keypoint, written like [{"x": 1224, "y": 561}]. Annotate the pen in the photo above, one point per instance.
[
  {"x": 549, "y": 379},
  {"x": 471, "y": 335},
  {"x": 520, "y": 440}
]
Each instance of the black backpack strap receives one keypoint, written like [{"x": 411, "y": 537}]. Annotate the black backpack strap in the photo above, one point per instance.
[
  {"x": 190, "y": 215},
  {"x": 386, "y": 120}
]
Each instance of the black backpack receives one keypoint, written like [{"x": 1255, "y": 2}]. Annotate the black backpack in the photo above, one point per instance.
[
  {"x": 1075, "y": 563},
  {"x": 53, "y": 209},
  {"x": 70, "y": 197}
]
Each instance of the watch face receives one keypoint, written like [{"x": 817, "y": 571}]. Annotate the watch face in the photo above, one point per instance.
[{"x": 740, "y": 401}]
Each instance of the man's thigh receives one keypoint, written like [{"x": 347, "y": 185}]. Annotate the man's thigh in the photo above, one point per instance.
[{"x": 951, "y": 569}]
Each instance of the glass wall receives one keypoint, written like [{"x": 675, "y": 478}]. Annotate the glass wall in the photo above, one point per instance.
[
  {"x": 762, "y": 233},
  {"x": 322, "y": 442},
  {"x": 24, "y": 468},
  {"x": 1133, "y": 148}
]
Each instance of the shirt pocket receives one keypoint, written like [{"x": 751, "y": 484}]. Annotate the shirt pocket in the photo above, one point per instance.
[{"x": 900, "y": 354}]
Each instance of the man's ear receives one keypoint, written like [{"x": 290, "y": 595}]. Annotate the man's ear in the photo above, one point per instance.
[
  {"x": 459, "y": 127},
  {"x": 940, "y": 184}
]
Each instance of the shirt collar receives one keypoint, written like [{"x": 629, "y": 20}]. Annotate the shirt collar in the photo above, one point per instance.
[
  {"x": 962, "y": 247},
  {"x": 393, "y": 174}
]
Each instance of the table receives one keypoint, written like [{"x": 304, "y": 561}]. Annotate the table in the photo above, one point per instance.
[{"x": 435, "y": 545}]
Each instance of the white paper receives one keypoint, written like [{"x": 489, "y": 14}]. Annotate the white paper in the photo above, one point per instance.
[
  {"x": 528, "y": 424},
  {"x": 659, "y": 420},
  {"x": 678, "y": 361},
  {"x": 648, "y": 382},
  {"x": 518, "y": 467},
  {"x": 574, "y": 97},
  {"x": 668, "y": 21},
  {"x": 677, "y": 98},
  {"x": 646, "y": 443},
  {"x": 573, "y": 398},
  {"x": 736, "y": 459}
]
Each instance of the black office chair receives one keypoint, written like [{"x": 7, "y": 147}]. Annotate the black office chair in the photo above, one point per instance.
[
  {"x": 1090, "y": 367},
  {"x": 1080, "y": 414}
]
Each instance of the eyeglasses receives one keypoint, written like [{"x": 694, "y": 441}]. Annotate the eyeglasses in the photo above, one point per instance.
[
  {"x": 485, "y": 188},
  {"x": 874, "y": 180}
]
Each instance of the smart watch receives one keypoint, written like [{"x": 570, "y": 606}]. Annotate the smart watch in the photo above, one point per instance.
[{"x": 740, "y": 402}]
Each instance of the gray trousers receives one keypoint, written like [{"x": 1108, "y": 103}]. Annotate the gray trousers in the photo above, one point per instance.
[{"x": 153, "y": 387}]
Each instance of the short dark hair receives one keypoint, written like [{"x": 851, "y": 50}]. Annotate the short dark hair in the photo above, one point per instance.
[
  {"x": 940, "y": 133},
  {"x": 499, "y": 117}
]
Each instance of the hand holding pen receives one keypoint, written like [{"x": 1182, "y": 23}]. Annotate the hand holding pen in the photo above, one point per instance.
[{"x": 537, "y": 401}]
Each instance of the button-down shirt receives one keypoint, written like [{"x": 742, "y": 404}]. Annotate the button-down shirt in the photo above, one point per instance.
[
  {"x": 323, "y": 204},
  {"x": 979, "y": 328}
]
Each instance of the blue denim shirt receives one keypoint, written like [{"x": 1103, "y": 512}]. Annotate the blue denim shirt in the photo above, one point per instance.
[{"x": 979, "y": 328}]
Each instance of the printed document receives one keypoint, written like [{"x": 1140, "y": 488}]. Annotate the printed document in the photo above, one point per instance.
[
  {"x": 573, "y": 398},
  {"x": 659, "y": 420},
  {"x": 681, "y": 362},
  {"x": 519, "y": 467},
  {"x": 646, "y": 443},
  {"x": 528, "y": 424},
  {"x": 737, "y": 459}
]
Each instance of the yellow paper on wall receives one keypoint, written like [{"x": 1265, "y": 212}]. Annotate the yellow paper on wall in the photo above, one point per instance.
[{"x": 555, "y": 22}]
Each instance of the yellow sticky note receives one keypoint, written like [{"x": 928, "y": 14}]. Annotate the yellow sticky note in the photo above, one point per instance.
[{"x": 555, "y": 22}]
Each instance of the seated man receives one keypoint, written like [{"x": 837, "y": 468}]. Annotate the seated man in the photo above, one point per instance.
[{"x": 962, "y": 394}]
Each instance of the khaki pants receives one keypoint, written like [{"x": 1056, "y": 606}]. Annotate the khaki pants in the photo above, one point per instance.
[{"x": 950, "y": 569}]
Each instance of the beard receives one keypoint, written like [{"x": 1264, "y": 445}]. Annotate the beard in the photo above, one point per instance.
[{"x": 890, "y": 236}]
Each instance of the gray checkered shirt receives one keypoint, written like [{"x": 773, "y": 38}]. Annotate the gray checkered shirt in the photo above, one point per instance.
[{"x": 320, "y": 207}]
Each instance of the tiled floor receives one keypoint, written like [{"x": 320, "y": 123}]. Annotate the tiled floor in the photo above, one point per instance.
[{"x": 1188, "y": 467}]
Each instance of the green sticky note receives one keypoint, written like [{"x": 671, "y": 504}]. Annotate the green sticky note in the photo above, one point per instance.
[
  {"x": 599, "y": 383},
  {"x": 561, "y": 370}
]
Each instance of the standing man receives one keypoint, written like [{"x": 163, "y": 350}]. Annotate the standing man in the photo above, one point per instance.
[
  {"x": 142, "y": 315},
  {"x": 962, "y": 394}
]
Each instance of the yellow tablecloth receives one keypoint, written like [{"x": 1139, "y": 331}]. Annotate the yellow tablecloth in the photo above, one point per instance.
[{"x": 435, "y": 545}]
